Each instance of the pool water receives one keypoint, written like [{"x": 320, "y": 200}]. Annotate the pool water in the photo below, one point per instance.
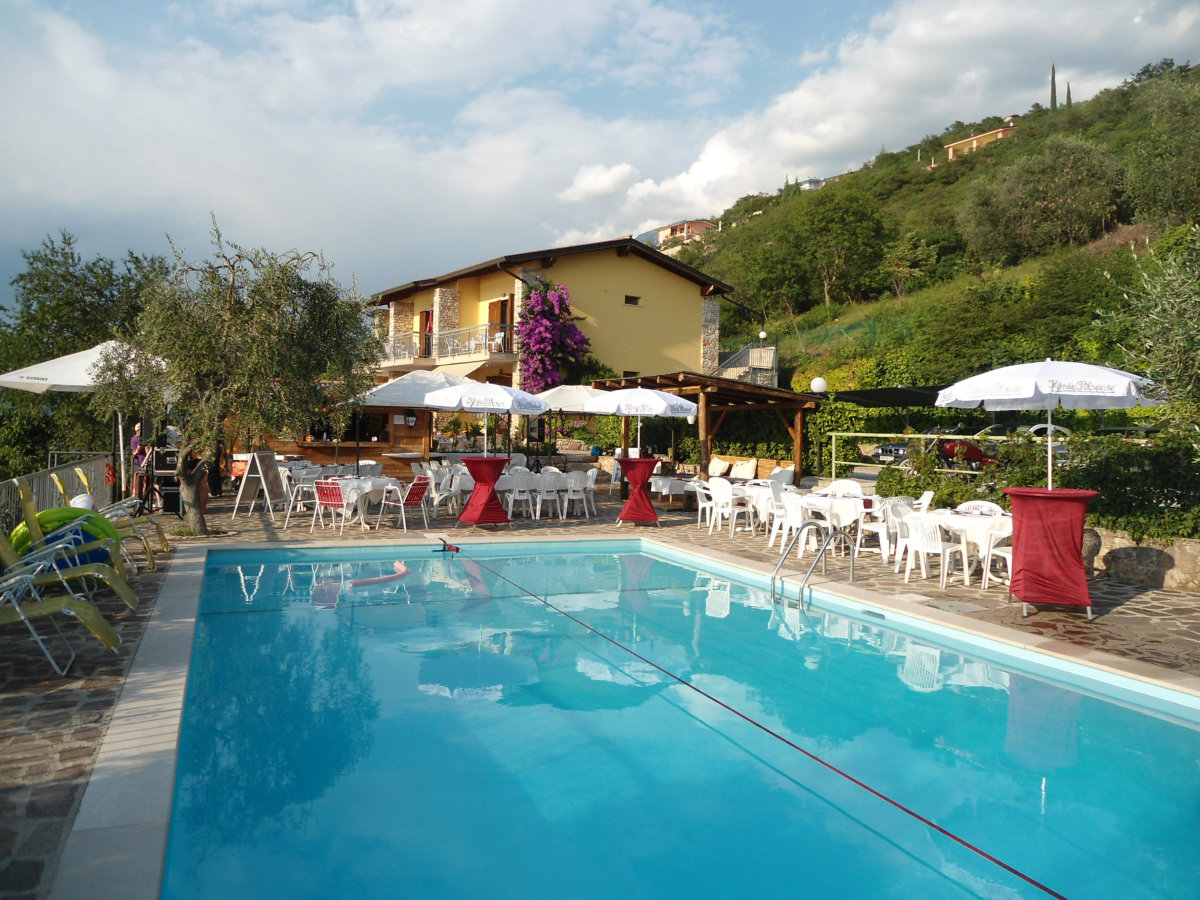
[{"x": 658, "y": 730}]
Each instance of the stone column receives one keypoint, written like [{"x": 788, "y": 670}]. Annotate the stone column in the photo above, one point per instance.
[{"x": 710, "y": 334}]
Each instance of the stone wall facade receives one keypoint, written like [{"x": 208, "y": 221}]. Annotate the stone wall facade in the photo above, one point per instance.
[
  {"x": 1175, "y": 566},
  {"x": 445, "y": 309}
]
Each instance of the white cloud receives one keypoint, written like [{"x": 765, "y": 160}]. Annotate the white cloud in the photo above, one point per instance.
[
  {"x": 410, "y": 137},
  {"x": 920, "y": 66},
  {"x": 597, "y": 181}
]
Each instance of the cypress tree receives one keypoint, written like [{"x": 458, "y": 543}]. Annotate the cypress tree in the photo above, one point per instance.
[
  {"x": 1053, "y": 90},
  {"x": 1068, "y": 95}
]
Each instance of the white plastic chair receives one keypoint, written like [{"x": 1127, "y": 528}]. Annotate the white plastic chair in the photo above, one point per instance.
[
  {"x": 921, "y": 504},
  {"x": 925, "y": 539},
  {"x": 549, "y": 484},
  {"x": 574, "y": 490},
  {"x": 885, "y": 528},
  {"x": 999, "y": 547},
  {"x": 704, "y": 502},
  {"x": 792, "y": 517},
  {"x": 443, "y": 492},
  {"x": 726, "y": 506},
  {"x": 590, "y": 490},
  {"x": 302, "y": 492},
  {"x": 615, "y": 478},
  {"x": 523, "y": 484}
]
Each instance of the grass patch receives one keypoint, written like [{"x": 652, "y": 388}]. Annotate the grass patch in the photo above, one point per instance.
[{"x": 182, "y": 531}]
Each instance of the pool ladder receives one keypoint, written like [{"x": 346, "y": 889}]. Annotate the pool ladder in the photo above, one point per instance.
[{"x": 835, "y": 535}]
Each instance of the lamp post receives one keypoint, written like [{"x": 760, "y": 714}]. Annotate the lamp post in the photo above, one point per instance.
[{"x": 818, "y": 386}]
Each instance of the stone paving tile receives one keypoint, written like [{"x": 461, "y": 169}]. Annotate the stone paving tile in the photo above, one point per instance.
[{"x": 51, "y": 727}]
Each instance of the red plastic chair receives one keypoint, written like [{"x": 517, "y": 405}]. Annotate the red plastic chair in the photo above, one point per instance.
[
  {"x": 414, "y": 496},
  {"x": 330, "y": 496}
]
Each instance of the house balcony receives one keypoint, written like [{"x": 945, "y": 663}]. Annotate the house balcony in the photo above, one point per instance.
[{"x": 482, "y": 344}]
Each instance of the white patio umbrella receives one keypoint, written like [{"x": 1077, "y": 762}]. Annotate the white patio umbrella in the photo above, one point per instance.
[
  {"x": 569, "y": 397},
  {"x": 483, "y": 397},
  {"x": 1048, "y": 385},
  {"x": 410, "y": 389},
  {"x": 640, "y": 401},
  {"x": 74, "y": 373}
]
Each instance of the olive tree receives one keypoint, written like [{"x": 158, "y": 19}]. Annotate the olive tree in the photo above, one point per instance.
[
  {"x": 265, "y": 340},
  {"x": 1164, "y": 170},
  {"x": 1157, "y": 326},
  {"x": 1066, "y": 193},
  {"x": 63, "y": 304}
]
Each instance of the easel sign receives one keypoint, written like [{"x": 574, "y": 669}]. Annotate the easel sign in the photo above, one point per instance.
[{"x": 262, "y": 473}]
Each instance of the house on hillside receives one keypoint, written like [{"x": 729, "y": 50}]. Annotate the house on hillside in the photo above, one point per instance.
[
  {"x": 643, "y": 312},
  {"x": 679, "y": 233},
  {"x": 975, "y": 141}
]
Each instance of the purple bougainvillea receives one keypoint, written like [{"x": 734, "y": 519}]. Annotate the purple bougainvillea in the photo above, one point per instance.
[{"x": 547, "y": 338}]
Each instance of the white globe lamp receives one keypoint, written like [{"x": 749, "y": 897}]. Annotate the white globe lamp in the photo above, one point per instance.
[{"x": 819, "y": 385}]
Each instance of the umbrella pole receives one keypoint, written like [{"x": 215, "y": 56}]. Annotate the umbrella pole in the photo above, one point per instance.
[
  {"x": 1050, "y": 450},
  {"x": 121, "y": 451}
]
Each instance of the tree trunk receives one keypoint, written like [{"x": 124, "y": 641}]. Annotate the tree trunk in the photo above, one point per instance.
[{"x": 190, "y": 488}]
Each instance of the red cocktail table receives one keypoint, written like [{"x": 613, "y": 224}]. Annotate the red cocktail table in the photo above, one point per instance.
[
  {"x": 638, "y": 507},
  {"x": 483, "y": 506},
  {"x": 1047, "y": 561}
]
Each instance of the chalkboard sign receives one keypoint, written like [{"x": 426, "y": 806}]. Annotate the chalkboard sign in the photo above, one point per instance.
[{"x": 262, "y": 472}]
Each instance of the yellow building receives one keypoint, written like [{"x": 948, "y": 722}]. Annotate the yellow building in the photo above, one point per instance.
[{"x": 643, "y": 312}]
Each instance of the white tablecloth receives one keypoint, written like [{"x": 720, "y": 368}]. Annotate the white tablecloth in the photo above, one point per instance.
[
  {"x": 365, "y": 491},
  {"x": 975, "y": 530}
]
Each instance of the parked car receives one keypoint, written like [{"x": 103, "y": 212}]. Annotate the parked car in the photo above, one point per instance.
[
  {"x": 994, "y": 431},
  {"x": 1041, "y": 428},
  {"x": 1037, "y": 430},
  {"x": 888, "y": 453}
]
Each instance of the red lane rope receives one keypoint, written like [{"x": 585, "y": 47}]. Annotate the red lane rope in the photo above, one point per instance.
[{"x": 963, "y": 842}]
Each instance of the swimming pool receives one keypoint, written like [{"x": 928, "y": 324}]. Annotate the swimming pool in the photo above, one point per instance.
[{"x": 663, "y": 730}]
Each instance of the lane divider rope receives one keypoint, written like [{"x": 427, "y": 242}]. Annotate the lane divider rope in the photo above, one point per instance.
[{"x": 963, "y": 842}]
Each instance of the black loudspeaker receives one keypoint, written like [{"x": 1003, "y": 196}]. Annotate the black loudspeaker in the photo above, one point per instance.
[
  {"x": 165, "y": 460},
  {"x": 537, "y": 430},
  {"x": 170, "y": 501}
]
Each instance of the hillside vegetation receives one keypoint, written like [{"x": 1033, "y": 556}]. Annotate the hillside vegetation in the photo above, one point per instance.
[
  {"x": 1074, "y": 237},
  {"x": 903, "y": 273}
]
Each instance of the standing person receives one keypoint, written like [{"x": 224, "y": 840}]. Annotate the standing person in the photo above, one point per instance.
[
  {"x": 216, "y": 472},
  {"x": 137, "y": 447}
]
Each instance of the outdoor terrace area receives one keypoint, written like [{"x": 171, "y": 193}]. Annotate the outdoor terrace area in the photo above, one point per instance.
[{"x": 52, "y": 727}]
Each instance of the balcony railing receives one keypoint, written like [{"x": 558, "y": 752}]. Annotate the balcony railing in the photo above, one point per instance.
[
  {"x": 755, "y": 364},
  {"x": 480, "y": 341}
]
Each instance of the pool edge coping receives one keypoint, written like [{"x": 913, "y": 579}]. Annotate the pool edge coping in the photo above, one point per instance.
[{"x": 117, "y": 844}]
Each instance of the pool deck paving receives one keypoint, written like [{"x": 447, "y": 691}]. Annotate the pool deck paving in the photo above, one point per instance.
[{"x": 52, "y": 727}]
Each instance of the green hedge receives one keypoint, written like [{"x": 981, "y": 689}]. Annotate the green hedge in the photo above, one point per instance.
[{"x": 1149, "y": 490}]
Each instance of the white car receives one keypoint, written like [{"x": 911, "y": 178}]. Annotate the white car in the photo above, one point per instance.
[{"x": 1041, "y": 428}]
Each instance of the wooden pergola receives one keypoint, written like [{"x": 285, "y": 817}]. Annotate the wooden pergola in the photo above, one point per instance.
[{"x": 716, "y": 398}]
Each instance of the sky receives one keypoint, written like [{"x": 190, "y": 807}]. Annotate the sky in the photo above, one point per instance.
[{"x": 409, "y": 138}]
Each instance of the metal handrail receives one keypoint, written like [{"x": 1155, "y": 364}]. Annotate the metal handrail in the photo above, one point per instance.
[{"x": 820, "y": 557}]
